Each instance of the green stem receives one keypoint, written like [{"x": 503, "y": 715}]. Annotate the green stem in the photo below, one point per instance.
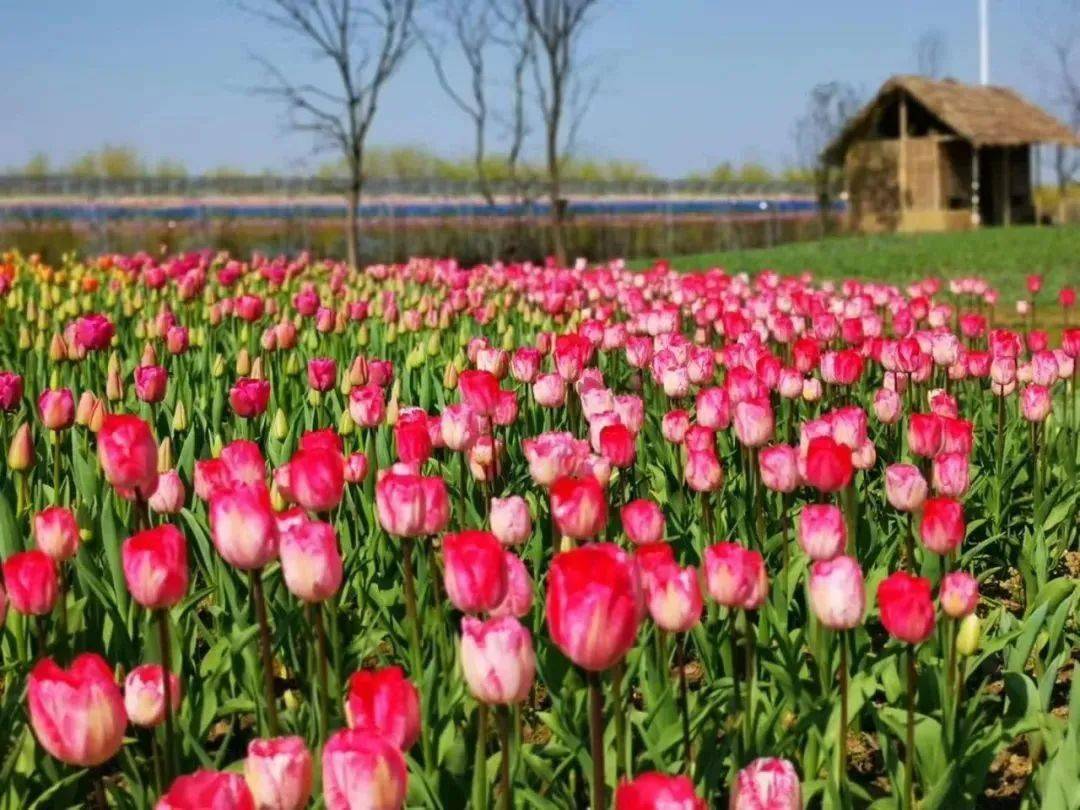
[
  {"x": 166, "y": 692},
  {"x": 909, "y": 748},
  {"x": 619, "y": 710},
  {"x": 480, "y": 782},
  {"x": 596, "y": 739},
  {"x": 841, "y": 771},
  {"x": 507, "y": 788},
  {"x": 255, "y": 580},
  {"x": 748, "y": 720},
  {"x": 324, "y": 680},
  {"x": 412, "y": 619},
  {"x": 684, "y": 702}
]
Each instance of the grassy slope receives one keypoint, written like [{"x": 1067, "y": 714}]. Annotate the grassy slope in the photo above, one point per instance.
[{"x": 1002, "y": 255}]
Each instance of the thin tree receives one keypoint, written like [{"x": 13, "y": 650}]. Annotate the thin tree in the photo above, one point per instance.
[
  {"x": 931, "y": 53},
  {"x": 557, "y": 26},
  {"x": 365, "y": 43},
  {"x": 830, "y": 106}
]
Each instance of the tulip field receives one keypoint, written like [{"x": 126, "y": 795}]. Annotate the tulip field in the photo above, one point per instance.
[{"x": 279, "y": 533}]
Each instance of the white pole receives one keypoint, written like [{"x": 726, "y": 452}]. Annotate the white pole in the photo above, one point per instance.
[{"x": 984, "y": 43}]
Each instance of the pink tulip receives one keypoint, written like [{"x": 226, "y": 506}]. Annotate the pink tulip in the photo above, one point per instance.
[
  {"x": 155, "y": 566},
  {"x": 150, "y": 383},
  {"x": 367, "y": 405},
  {"x": 128, "y": 454},
  {"x": 766, "y": 784},
  {"x": 822, "y": 531},
  {"x": 887, "y": 406},
  {"x": 144, "y": 695},
  {"x": 958, "y": 594},
  {"x": 1035, "y": 403},
  {"x": 510, "y": 520},
  {"x": 519, "y": 589},
  {"x": 249, "y": 397},
  {"x": 242, "y": 527},
  {"x": 837, "y": 592},
  {"x": 703, "y": 472},
  {"x": 906, "y": 608},
  {"x": 361, "y": 770},
  {"x": 753, "y": 420},
  {"x": 169, "y": 494},
  {"x": 779, "y": 465},
  {"x": 905, "y": 487},
  {"x": 321, "y": 373},
  {"x": 497, "y": 659},
  {"x": 278, "y": 773},
  {"x": 735, "y": 577},
  {"x": 673, "y": 597},
  {"x": 942, "y": 528},
  {"x": 474, "y": 571},
  {"x": 57, "y": 408},
  {"x": 310, "y": 560},
  {"x": 579, "y": 507},
  {"x": 56, "y": 533},
  {"x": 77, "y": 713},
  {"x": 674, "y": 426},
  {"x": 951, "y": 474},
  {"x": 643, "y": 522}
]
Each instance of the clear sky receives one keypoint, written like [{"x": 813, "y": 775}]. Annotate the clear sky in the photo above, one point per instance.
[{"x": 685, "y": 84}]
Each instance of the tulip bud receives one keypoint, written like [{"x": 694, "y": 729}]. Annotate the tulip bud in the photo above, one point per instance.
[
  {"x": 243, "y": 363},
  {"x": 967, "y": 637},
  {"x": 97, "y": 416},
  {"x": 345, "y": 424},
  {"x": 217, "y": 368},
  {"x": 179, "y": 420},
  {"x": 85, "y": 408},
  {"x": 215, "y": 446},
  {"x": 257, "y": 369},
  {"x": 149, "y": 356},
  {"x": 57, "y": 348},
  {"x": 21, "y": 451},
  {"x": 279, "y": 426},
  {"x": 165, "y": 455}
]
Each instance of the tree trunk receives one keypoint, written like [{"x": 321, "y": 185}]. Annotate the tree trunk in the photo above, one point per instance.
[
  {"x": 352, "y": 236},
  {"x": 558, "y": 241}
]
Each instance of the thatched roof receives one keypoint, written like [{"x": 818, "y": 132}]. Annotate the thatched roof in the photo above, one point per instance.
[{"x": 982, "y": 114}]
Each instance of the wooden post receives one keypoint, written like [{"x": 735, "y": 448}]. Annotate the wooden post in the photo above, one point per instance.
[
  {"x": 976, "y": 218},
  {"x": 902, "y": 157},
  {"x": 1034, "y": 171},
  {"x": 1006, "y": 192}
]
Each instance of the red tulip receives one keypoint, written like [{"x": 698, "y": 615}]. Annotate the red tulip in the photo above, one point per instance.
[
  {"x": 657, "y": 791},
  {"x": 618, "y": 445},
  {"x": 828, "y": 465},
  {"x": 242, "y": 526},
  {"x": 317, "y": 479},
  {"x": 128, "y": 454},
  {"x": 361, "y": 770},
  {"x": 382, "y": 702},
  {"x": 278, "y": 773},
  {"x": 579, "y": 507},
  {"x": 412, "y": 440},
  {"x": 480, "y": 390},
  {"x": 942, "y": 528},
  {"x": 77, "y": 713},
  {"x": 249, "y": 397},
  {"x": 924, "y": 434},
  {"x": 475, "y": 572},
  {"x": 94, "y": 332},
  {"x": 321, "y": 373},
  {"x": 150, "y": 383},
  {"x": 56, "y": 533},
  {"x": 155, "y": 566},
  {"x": 907, "y": 610},
  {"x": 594, "y": 605},
  {"x": 32, "y": 586},
  {"x": 144, "y": 695},
  {"x": 207, "y": 790}
]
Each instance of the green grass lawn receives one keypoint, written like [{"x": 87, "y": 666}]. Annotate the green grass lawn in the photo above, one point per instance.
[{"x": 1002, "y": 255}]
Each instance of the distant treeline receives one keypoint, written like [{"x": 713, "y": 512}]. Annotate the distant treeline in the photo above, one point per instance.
[{"x": 397, "y": 163}]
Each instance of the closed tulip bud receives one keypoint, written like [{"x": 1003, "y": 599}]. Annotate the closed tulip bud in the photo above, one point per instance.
[
  {"x": 907, "y": 610},
  {"x": 958, "y": 594},
  {"x": 21, "y": 451},
  {"x": 579, "y": 507},
  {"x": 279, "y": 426},
  {"x": 56, "y": 533},
  {"x": 155, "y": 566},
  {"x": 31, "y": 582},
  {"x": 243, "y": 363},
  {"x": 967, "y": 636},
  {"x": 128, "y": 454},
  {"x": 588, "y": 588},
  {"x": 180, "y": 417},
  {"x": 951, "y": 474},
  {"x": 144, "y": 695},
  {"x": 164, "y": 455},
  {"x": 384, "y": 703},
  {"x": 837, "y": 592},
  {"x": 77, "y": 713},
  {"x": 242, "y": 526},
  {"x": 767, "y": 783},
  {"x": 217, "y": 367},
  {"x": 653, "y": 791},
  {"x": 278, "y": 773},
  {"x": 85, "y": 408},
  {"x": 497, "y": 659},
  {"x": 58, "y": 350},
  {"x": 114, "y": 386},
  {"x": 735, "y": 577},
  {"x": 905, "y": 487},
  {"x": 780, "y": 468},
  {"x": 361, "y": 770},
  {"x": 510, "y": 520},
  {"x": 474, "y": 571},
  {"x": 942, "y": 528},
  {"x": 257, "y": 369},
  {"x": 207, "y": 790}
]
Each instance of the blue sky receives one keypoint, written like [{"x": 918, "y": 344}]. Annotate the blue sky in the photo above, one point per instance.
[{"x": 685, "y": 83}]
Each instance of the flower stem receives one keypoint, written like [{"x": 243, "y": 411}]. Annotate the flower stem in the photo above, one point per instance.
[
  {"x": 412, "y": 619},
  {"x": 480, "y": 782},
  {"x": 507, "y": 789},
  {"x": 841, "y": 771},
  {"x": 909, "y": 750},
  {"x": 748, "y": 719},
  {"x": 324, "y": 680},
  {"x": 684, "y": 702},
  {"x": 618, "y": 710},
  {"x": 596, "y": 738},
  {"x": 166, "y": 692},
  {"x": 255, "y": 580}
]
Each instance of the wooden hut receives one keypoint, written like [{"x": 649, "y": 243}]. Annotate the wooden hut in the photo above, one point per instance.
[{"x": 928, "y": 155}]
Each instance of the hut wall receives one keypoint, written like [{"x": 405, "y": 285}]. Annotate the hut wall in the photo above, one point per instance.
[
  {"x": 871, "y": 168},
  {"x": 922, "y": 187}
]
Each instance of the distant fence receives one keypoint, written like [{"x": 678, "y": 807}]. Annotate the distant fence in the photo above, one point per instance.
[{"x": 398, "y": 218}]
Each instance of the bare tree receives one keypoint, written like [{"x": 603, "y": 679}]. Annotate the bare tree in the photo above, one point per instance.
[
  {"x": 558, "y": 25},
  {"x": 931, "y": 54},
  {"x": 365, "y": 42},
  {"x": 828, "y": 109}
]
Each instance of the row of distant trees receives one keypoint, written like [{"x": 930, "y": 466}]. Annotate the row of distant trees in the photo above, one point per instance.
[{"x": 121, "y": 162}]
